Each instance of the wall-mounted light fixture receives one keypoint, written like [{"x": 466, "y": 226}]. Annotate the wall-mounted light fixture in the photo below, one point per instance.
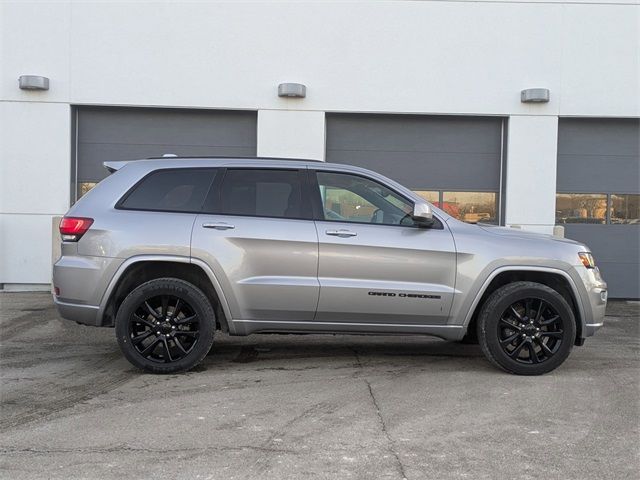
[
  {"x": 534, "y": 95},
  {"x": 33, "y": 82},
  {"x": 292, "y": 90}
]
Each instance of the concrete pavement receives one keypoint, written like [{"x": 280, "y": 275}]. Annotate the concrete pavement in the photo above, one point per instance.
[{"x": 313, "y": 406}]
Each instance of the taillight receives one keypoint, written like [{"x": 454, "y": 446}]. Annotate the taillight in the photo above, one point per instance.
[{"x": 72, "y": 228}]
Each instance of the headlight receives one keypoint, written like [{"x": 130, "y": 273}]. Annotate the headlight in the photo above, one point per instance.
[{"x": 587, "y": 259}]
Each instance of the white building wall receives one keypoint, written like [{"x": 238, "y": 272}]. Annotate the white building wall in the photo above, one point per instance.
[
  {"x": 445, "y": 57},
  {"x": 34, "y": 186},
  {"x": 530, "y": 193},
  {"x": 291, "y": 134},
  {"x": 396, "y": 56}
]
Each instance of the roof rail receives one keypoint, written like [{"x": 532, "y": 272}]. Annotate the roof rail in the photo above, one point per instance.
[{"x": 232, "y": 157}]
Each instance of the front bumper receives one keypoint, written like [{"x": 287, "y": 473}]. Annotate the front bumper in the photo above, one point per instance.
[{"x": 596, "y": 301}]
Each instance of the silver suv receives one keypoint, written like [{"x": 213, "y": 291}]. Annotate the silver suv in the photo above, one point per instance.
[{"x": 170, "y": 250}]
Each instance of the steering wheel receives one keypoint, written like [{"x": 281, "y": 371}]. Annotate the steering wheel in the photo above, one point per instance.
[
  {"x": 407, "y": 216},
  {"x": 374, "y": 217}
]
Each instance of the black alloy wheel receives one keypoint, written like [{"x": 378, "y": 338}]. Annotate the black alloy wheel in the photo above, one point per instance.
[
  {"x": 164, "y": 328},
  {"x": 530, "y": 331},
  {"x": 165, "y": 325},
  {"x": 526, "y": 328}
]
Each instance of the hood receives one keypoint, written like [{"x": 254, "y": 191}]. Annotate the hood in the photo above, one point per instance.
[{"x": 518, "y": 233}]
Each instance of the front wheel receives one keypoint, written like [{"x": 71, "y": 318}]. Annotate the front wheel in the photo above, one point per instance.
[
  {"x": 165, "y": 325},
  {"x": 526, "y": 328}
]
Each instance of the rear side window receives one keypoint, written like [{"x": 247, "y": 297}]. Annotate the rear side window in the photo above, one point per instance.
[
  {"x": 262, "y": 193},
  {"x": 173, "y": 190}
]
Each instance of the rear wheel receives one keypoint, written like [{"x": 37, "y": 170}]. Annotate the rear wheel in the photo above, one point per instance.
[
  {"x": 526, "y": 328},
  {"x": 165, "y": 325}
]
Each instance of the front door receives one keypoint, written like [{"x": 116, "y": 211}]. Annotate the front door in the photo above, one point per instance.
[{"x": 375, "y": 265}]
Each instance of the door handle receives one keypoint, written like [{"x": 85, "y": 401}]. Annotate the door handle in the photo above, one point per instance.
[
  {"x": 218, "y": 225},
  {"x": 342, "y": 233}
]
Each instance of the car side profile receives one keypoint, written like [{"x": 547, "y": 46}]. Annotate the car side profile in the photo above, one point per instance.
[{"x": 170, "y": 250}]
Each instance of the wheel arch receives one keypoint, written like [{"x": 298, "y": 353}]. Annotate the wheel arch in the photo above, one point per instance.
[
  {"x": 557, "y": 279},
  {"x": 140, "y": 269}
]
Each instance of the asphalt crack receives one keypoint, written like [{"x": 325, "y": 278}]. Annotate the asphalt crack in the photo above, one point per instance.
[
  {"x": 262, "y": 462},
  {"x": 383, "y": 426},
  {"x": 381, "y": 421}
]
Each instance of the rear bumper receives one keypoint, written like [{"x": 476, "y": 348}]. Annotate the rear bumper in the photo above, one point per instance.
[
  {"x": 81, "y": 282},
  {"x": 86, "y": 314}
]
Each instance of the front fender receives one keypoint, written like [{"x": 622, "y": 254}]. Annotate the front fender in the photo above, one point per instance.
[{"x": 468, "y": 305}]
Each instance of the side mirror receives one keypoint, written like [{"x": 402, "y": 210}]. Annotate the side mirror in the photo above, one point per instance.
[{"x": 422, "y": 215}]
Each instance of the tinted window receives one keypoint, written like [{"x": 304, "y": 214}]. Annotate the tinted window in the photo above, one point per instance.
[
  {"x": 351, "y": 198},
  {"x": 172, "y": 190},
  {"x": 264, "y": 193}
]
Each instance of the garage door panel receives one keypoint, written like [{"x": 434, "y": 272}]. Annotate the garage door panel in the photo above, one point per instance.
[
  {"x": 602, "y": 156},
  {"x": 94, "y": 171},
  {"x": 598, "y": 155},
  {"x": 117, "y": 133},
  {"x": 610, "y": 243},
  {"x": 413, "y": 133},
  {"x": 421, "y": 152},
  {"x": 437, "y": 170},
  {"x": 170, "y": 126},
  {"x": 599, "y": 137},
  {"x": 597, "y": 173},
  {"x": 619, "y": 282}
]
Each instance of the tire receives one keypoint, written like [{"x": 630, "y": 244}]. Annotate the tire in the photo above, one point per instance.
[
  {"x": 165, "y": 325},
  {"x": 516, "y": 338}
]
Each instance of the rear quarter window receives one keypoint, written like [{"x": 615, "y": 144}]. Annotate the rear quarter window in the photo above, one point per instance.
[{"x": 170, "y": 190}]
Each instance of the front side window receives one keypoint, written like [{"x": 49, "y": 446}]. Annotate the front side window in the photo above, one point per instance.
[
  {"x": 262, "y": 193},
  {"x": 172, "y": 190},
  {"x": 351, "y": 198}
]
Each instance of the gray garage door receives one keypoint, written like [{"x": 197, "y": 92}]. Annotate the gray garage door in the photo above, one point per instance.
[
  {"x": 451, "y": 161},
  {"x": 110, "y": 133},
  {"x": 598, "y": 195}
]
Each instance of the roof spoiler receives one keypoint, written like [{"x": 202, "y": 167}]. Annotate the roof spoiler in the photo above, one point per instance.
[{"x": 114, "y": 166}]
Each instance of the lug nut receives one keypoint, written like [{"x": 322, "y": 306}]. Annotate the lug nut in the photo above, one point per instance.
[{"x": 158, "y": 333}]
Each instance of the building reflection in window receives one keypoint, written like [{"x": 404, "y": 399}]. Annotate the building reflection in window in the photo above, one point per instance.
[
  {"x": 625, "y": 209},
  {"x": 470, "y": 207},
  {"x": 581, "y": 208}
]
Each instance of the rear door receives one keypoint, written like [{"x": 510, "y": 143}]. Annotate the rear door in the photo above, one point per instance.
[
  {"x": 375, "y": 265},
  {"x": 257, "y": 233}
]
